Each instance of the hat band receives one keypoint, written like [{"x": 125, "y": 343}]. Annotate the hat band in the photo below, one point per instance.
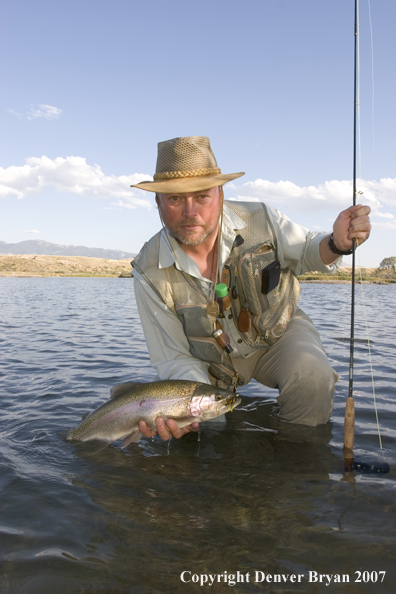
[{"x": 190, "y": 173}]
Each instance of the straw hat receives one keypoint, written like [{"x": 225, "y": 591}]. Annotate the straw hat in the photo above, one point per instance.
[{"x": 186, "y": 164}]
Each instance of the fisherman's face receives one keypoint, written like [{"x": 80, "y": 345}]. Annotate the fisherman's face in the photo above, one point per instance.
[{"x": 191, "y": 217}]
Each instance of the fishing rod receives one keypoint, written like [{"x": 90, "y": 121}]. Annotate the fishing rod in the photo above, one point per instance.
[{"x": 349, "y": 422}]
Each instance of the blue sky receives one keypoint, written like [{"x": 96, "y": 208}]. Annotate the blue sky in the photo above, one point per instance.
[{"x": 90, "y": 87}]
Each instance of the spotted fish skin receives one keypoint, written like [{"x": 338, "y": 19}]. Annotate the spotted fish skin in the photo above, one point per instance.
[{"x": 182, "y": 400}]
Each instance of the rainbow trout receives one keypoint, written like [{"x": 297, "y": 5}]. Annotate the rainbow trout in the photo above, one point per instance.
[{"x": 182, "y": 400}]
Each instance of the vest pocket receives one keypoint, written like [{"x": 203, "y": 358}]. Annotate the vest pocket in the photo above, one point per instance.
[
  {"x": 269, "y": 313},
  {"x": 251, "y": 268},
  {"x": 195, "y": 320},
  {"x": 205, "y": 349}
]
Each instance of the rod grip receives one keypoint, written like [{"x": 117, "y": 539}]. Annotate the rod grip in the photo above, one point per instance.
[{"x": 349, "y": 424}]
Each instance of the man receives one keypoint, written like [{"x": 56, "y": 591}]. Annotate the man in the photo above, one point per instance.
[{"x": 256, "y": 330}]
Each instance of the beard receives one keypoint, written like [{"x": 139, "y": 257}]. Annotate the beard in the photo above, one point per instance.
[{"x": 191, "y": 237}]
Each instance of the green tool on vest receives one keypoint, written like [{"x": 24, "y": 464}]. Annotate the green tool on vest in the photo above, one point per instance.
[{"x": 222, "y": 297}]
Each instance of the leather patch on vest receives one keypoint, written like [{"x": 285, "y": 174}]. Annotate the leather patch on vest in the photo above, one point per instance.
[{"x": 244, "y": 321}]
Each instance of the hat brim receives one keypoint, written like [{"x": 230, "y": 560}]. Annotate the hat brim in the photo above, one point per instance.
[{"x": 187, "y": 184}]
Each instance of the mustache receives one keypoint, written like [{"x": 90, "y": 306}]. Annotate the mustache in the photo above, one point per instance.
[{"x": 189, "y": 221}]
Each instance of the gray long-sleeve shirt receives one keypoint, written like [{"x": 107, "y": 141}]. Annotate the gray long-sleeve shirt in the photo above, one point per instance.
[{"x": 297, "y": 249}]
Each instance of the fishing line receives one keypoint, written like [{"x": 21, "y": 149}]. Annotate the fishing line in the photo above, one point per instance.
[
  {"x": 370, "y": 358},
  {"x": 372, "y": 69},
  {"x": 360, "y": 180}
]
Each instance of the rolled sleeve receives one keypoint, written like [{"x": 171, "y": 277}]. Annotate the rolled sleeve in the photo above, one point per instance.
[
  {"x": 297, "y": 247},
  {"x": 312, "y": 259}
]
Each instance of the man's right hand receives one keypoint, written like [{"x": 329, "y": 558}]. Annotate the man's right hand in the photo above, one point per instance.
[{"x": 167, "y": 429}]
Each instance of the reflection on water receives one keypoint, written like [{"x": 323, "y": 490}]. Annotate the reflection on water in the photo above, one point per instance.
[{"x": 252, "y": 495}]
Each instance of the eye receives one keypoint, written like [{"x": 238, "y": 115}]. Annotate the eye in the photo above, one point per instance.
[{"x": 219, "y": 397}]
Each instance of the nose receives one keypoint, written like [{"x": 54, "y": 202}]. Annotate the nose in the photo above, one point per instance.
[{"x": 189, "y": 207}]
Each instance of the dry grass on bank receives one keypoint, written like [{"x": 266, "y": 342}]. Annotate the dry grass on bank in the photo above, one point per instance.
[
  {"x": 42, "y": 266},
  {"x": 31, "y": 265},
  {"x": 344, "y": 275}
]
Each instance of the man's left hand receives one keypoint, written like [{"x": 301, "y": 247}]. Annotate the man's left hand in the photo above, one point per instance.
[
  {"x": 352, "y": 223},
  {"x": 167, "y": 429}
]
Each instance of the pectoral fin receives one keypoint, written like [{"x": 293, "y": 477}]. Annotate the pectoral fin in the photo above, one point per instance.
[{"x": 132, "y": 437}]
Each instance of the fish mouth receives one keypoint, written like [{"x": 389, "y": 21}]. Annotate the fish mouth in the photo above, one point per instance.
[{"x": 231, "y": 403}]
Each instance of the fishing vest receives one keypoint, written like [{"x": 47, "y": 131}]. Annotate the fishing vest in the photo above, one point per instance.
[{"x": 269, "y": 314}]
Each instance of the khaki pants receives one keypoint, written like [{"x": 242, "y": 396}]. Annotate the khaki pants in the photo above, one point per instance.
[{"x": 298, "y": 367}]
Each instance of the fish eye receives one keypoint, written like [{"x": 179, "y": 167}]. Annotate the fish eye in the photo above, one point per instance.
[{"x": 219, "y": 397}]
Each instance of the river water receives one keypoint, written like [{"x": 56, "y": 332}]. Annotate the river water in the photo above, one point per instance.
[{"x": 254, "y": 496}]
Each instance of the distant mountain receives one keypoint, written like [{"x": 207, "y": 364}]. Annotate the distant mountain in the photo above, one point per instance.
[{"x": 45, "y": 248}]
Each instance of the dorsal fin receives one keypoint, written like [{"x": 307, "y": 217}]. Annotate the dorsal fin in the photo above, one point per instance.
[{"x": 119, "y": 389}]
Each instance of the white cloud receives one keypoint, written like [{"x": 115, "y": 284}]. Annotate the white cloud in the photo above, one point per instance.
[
  {"x": 125, "y": 204},
  {"x": 327, "y": 196},
  {"x": 32, "y": 231},
  {"x": 382, "y": 226},
  {"x": 384, "y": 215},
  {"x": 15, "y": 113},
  {"x": 71, "y": 174},
  {"x": 48, "y": 112}
]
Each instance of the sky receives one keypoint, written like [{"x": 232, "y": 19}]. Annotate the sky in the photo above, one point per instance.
[{"x": 90, "y": 87}]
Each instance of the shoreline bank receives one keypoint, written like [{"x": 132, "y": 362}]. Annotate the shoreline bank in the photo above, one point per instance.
[{"x": 33, "y": 266}]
